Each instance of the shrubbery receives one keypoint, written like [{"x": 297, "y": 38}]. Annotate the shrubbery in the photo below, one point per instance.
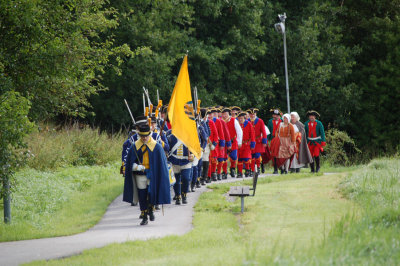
[
  {"x": 341, "y": 148},
  {"x": 50, "y": 148}
]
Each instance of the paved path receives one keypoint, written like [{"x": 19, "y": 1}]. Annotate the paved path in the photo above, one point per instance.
[{"x": 119, "y": 224}]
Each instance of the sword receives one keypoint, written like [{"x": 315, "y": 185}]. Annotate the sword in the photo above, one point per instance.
[{"x": 129, "y": 110}]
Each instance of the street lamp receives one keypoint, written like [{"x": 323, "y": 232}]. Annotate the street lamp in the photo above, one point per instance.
[{"x": 280, "y": 27}]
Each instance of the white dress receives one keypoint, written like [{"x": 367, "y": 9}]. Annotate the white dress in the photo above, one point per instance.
[{"x": 295, "y": 163}]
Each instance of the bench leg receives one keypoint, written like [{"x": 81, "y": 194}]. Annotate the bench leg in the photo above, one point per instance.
[{"x": 242, "y": 202}]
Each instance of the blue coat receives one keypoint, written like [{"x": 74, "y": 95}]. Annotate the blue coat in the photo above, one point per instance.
[
  {"x": 127, "y": 144},
  {"x": 157, "y": 137},
  {"x": 173, "y": 156},
  {"x": 158, "y": 174}
]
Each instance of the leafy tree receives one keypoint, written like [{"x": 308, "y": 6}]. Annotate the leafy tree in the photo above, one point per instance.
[
  {"x": 54, "y": 52},
  {"x": 14, "y": 125}
]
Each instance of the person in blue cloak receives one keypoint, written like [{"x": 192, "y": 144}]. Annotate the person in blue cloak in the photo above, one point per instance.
[{"x": 146, "y": 175}]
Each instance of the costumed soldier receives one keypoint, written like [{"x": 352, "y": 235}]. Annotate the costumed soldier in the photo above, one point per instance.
[
  {"x": 197, "y": 162},
  {"x": 315, "y": 138},
  {"x": 273, "y": 125},
  {"x": 158, "y": 136},
  {"x": 181, "y": 159},
  {"x": 261, "y": 138},
  {"x": 203, "y": 143},
  {"x": 211, "y": 151},
  {"x": 248, "y": 144},
  {"x": 164, "y": 122},
  {"x": 235, "y": 110},
  {"x": 150, "y": 186},
  {"x": 236, "y": 134},
  {"x": 220, "y": 148},
  {"x": 223, "y": 155}
]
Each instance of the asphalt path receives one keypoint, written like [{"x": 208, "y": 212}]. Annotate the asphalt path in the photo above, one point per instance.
[{"x": 119, "y": 224}]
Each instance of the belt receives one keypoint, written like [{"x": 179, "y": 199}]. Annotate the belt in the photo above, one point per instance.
[
  {"x": 139, "y": 173},
  {"x": 180, "y": 157},
  {"x": 314, "y": 138}
]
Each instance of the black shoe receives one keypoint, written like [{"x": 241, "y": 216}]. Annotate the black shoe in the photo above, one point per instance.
[
  {"x": 184, "y": 198},
  {"x": 219, "y": 177},
  {"x": 133, "y": 204},
  {"x": 192, "y": 187},
  {"x": 208, "y": 180},
  {"x": 240, "y": 175},
  {"x": 198, "y": 184},
  {"x": 141, "y": 215},
  {"x": 275, "y": 172},
  {"x": 224, "y": 176},
  {"x": 174, "y": 198},
  {"x": 317, "y": 169},
  {"x": 232, "y": 172},
  {"x": 312, "y": 167},
  {"x": 292, "y": 170},
  {"x": 178, "y": 200},
  {"x": 157, "y": 207},
  {"x": 297, "y": 170},
  {"x": 203, "y": 182},
  {"x": 214, "y": 177},
  {"x": 247, "y": 173},
  {"x": 151, "y": 214},
  {"x": 144, "y": 218},
  {"x": 262, "y": 168},
  {"x": 258, "y": 170},
  {"x": 282, "y": 171},
  {"x": 285, "y": 172}
]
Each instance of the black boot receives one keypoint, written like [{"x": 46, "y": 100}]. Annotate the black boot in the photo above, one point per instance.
[
  {"x": 232, "y": 172},
  {"x": 198, "y": 184},
  {"x": 214, "y": 176},
  {"x": 144, "y": 218},
  {"x": 150, "y": 212},
  {"x": 317, "y": 164},
  {"x": 262, "y": 168},
  {"x": 218, "y": 176},
  {"x": 184, "y": 198},
  {"x": 208, "y": 180},
  {"x": 247, "y": 173},
  {"x": 275, "y": 168},
  {"x": 297, "y": 170},
  {"x": 178, "y": 200},
  {"x": 133, "y": 204},
  {"x": 224, "y": 176},
  {"x": 203, "y": 181},
  {"x": 312, "y": 167},
  {"x": 192, "y": 187},
  {"x": 282, "y": 171},
  {"x": 258, "y": 170}
]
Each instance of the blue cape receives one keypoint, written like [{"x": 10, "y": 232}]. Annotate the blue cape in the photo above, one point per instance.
[{"x": 159, "y": 187}]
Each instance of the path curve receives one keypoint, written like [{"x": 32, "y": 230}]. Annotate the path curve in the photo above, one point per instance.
[{"x": 119, "y": 224}]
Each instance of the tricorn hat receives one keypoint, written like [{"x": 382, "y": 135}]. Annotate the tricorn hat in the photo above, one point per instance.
[
  {"x": 313, "y": 112},
  {"x": 252, "y": 110},
  {"x": 236, "y": 108},
  {"x": 213, "y": 110},
  {"x": 275, "y": 111},
  {"x": 242, "y": 114},
  {"x": 226, "y": 109}
]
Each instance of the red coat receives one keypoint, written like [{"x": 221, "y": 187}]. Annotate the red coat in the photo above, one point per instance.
[
  {"x": 260, "y": 135},
  {"x": 249, "y": 141},
  {"x": 232, "y": 133},
  {"x": 221, "y": 136},
  {"x": 213, "y": 138}
]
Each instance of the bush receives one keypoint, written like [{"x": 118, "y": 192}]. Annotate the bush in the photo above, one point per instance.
[
  {"x": 51, "y": 148},
  {"x": 340, "y": 148}
]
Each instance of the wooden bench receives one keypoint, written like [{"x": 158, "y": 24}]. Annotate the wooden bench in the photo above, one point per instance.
[{"x": 244, "y": 191}]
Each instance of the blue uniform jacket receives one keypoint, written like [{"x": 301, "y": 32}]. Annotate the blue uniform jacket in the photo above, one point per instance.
[
  {"x": 156, "y": 136},
  {"x": 173, "y": 157}
]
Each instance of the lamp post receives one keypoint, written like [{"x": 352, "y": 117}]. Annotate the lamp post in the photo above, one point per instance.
[{"x": 280, "y": 27}]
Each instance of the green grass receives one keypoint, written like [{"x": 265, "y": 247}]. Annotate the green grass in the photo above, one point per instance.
[
  {"x": 67, "y": 201},
  {"x": 289, "y": 213}
]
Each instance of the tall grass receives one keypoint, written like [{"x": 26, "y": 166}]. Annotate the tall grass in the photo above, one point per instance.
[
  {"x": 67, "y": 201},
  {"x": 72, "y": 145}
]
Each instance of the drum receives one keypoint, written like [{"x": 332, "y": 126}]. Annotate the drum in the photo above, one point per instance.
[{"x": 172, "y": 179}]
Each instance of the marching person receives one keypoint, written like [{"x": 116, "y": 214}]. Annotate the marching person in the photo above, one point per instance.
[
  {"x": 147, "y": 163},
  {"x": 273, "y": 125},
  {"x": 222, "y": 171},
  {"x": 181, "y": 159},
  {"x": 210, "y": 152},
  {"x": 220, "y": 149},
  {"x": 201, "y": 131},
  {"x": 236, "y": 135},
  {"x": 315, "y": 138},
  {"x": 235, "y": 110},
  {"x": 283, "y": 148},
  {"x": 248, "y": 144},
  {"x": 303, "y": 156},
  {"x": 261, "y": 139},
  {"x": 157, "y": 135}
]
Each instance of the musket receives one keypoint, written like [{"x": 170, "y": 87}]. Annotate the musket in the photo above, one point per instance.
[
  {"x": 144, "y": 105},
  {"x": 146, "y": 92},
  {"x": 129, "y": 110}
]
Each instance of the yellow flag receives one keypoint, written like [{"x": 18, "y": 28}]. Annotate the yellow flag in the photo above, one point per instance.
[{"x": 181, "y": 112}]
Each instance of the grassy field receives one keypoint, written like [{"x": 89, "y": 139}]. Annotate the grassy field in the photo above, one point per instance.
[
  {"x": 290, "y": 213},
  {"x": 63, "y": 202}
]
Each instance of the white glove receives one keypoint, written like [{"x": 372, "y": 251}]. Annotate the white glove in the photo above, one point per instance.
[
  {"x": 212, "y": 147},
  {"x": 138, "y": 167}
]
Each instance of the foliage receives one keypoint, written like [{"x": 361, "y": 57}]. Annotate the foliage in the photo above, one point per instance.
[
  {"x": 14, "y": 125},
  {"x": 54, "y": 52},
  {"x": 65, "y": 202},
  {"x": 51, "y": 148},
  {"x": 340, "y": 147}
]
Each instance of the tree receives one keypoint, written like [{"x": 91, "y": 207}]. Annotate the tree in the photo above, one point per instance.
[{"x": 14, "y": 125}]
